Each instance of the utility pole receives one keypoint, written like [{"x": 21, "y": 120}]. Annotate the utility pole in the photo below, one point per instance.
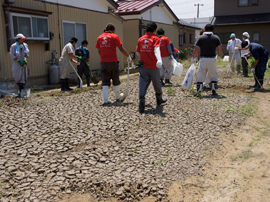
[{"x": 198, "y": 9}]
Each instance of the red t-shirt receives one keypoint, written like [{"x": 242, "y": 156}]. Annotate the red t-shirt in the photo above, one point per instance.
[
  {"x": 145, "y": 47},
  {"x": 175, "y": 50},
  {"x": 107, "y": 43},
  {"x": 164, "y": 42}
]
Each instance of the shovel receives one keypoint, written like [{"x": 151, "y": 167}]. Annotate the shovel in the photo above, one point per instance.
[
  {"x": 81, "y": 82},
  {"x": 124, "y": 96},
  {"x": 261, "y": 88}
]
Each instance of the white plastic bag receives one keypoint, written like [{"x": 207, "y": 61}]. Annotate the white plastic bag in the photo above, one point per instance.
[
  {"x": 189, "y": 78},
  {"x": 177, "y": 68},
  {"x": 226, "y": 58},
  {"x": 25, "y": 93}
]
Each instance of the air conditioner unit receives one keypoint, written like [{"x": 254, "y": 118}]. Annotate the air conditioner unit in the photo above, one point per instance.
[{"x": 9, "y": 1}]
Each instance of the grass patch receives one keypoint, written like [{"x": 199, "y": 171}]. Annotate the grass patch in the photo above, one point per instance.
[
  {"x": 171, "y": 91},
  {"x": 248, "y": 110}
]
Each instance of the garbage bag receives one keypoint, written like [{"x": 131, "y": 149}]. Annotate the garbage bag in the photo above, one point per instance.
[
  {"x": 177, "y": 68},
  {"x": 25, "y": 93},
  {"x": 189, "y": 78}
]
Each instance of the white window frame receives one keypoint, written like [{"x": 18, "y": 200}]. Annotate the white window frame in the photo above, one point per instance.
[
  {"x": 73, "y": 22},
  {"x": 30, "y": 17}
]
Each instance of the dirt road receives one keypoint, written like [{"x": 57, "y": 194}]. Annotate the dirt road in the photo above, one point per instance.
[{"x": 67, "y": 147}]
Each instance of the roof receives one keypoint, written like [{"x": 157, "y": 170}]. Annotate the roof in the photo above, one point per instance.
[
  {"x": 113, "y": 3},
  {"x": 241, "y": 19},
  {"x": 140, "y": 6},
  {"x": 182, "y": 23}
]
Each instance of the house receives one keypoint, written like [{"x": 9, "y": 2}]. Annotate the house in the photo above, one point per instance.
[
  {"x": 49, "y": 25},
  {"x": 138, "y": 13},
  {"x": 238, "y": 16}
]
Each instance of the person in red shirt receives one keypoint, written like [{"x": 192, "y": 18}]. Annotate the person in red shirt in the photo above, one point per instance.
[
  {"x": 176, "y": 54},
  {"x": 149, "y": 52},
  {"x": 167, "y": 57},
  {"x": 106, "y": 45}
]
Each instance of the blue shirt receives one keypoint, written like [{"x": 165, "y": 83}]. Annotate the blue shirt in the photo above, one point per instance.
[
  {"x": 173, "y": 52},
  {"x": 258, "y": 51}
]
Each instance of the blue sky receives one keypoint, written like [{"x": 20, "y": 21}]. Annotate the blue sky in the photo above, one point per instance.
[{"x": 186, "y": 8}]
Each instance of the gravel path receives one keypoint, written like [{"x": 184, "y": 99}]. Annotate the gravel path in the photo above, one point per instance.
[{"x": 51, "y": 147}]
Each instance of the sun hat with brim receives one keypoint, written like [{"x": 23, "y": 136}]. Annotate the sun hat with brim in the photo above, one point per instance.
[
  {"x": 232, "y": 35},
  {"x": 20, "y": 36},
  {"x": 246, "y": 34}
]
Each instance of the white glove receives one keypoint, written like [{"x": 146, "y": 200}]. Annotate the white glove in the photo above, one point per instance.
[
  {"x": 235, "y": 48},
  {"x": 253, "y": 70},
  {"x": 129, "y": 59},
  {"x": 193, "y": 60},
  {"x": 159, "y": 64},
  {"x": 217, "y": 57}
]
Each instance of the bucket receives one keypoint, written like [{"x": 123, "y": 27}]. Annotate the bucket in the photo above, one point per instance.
[{"x": 226, "y": 58}]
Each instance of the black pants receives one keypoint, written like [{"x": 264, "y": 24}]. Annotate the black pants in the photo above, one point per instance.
[
  {"x": 82, "y": 69},
  {"x": 110, "y": 70},
  {"x": 260, "y": 69},
  {"x": 245, "y": 66}
]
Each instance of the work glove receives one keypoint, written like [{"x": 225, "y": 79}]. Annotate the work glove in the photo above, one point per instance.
[
  {"x": 21, "y": 63},
  {"x": 193, "y": 60},
  {"x": 246, "y": 55},
  {"x": 253, "y": 70},
  {"x": 88, "y": 64},
  {"x": 83, "y": 58},
  {"x": 25, "y": 61},
  {"x": 129, "y": 59},
  {"x": 79, "y": 58},
  {"x": 159, "y": 64},
  {"x": 217, "y": 57},
  {"x": 236, "y": 48}
]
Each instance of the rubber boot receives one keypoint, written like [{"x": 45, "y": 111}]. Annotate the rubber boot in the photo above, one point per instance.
[
  {"x": 238, "y": 69},
  {"x": 258, "y": 87},
  {"x": 88, "y": 81},
  {"x": 168, "y": 81},
  {"x": 63, "y": 85},
  {"x": 162, "y": 82},
  {"x": 142, "y": 105},
  {"x": 116, "y": 90},
  {"x": 199, "y": 89},
  {"x": 255, "y": 85},
  {"x": 214, "y": 88},
  {"x": 67, "y": 85},
  {"x": 160, "y": 100},
  {"x": 105, "y": 92}
]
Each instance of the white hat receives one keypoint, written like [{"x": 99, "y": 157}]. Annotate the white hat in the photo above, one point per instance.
[
  {"x": 20, "y": 36},
  {"x": 246, "y": 34}
]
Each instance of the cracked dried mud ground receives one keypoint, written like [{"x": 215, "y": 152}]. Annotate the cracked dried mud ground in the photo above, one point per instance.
[{"x": 70, "y": 148}]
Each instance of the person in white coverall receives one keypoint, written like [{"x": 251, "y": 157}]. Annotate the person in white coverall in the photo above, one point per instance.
[
  {"x": 232, "y": 47},
  {"x": 19, "y": 52}
]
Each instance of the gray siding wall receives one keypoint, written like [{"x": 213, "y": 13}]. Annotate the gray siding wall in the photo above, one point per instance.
[{"x": 230, "y": 7}]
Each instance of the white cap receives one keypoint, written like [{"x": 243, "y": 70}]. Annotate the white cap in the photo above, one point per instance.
[
  {"x": 20, "y": 36},
  {"x": 246, "y": 34}
]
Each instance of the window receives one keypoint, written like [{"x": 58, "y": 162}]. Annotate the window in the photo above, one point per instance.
[
  {"x": 191, "y": 38},
  {"x": 74, "y": 29},
  {"x": 33, "y": 27},
  {"x": 184, "y": 38},
  {"x": 256, "y": 37},
  {"x": 181, "y": 40},
  {"x": 143, "y": 32},
  {"x": 248, "y": 2}
]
